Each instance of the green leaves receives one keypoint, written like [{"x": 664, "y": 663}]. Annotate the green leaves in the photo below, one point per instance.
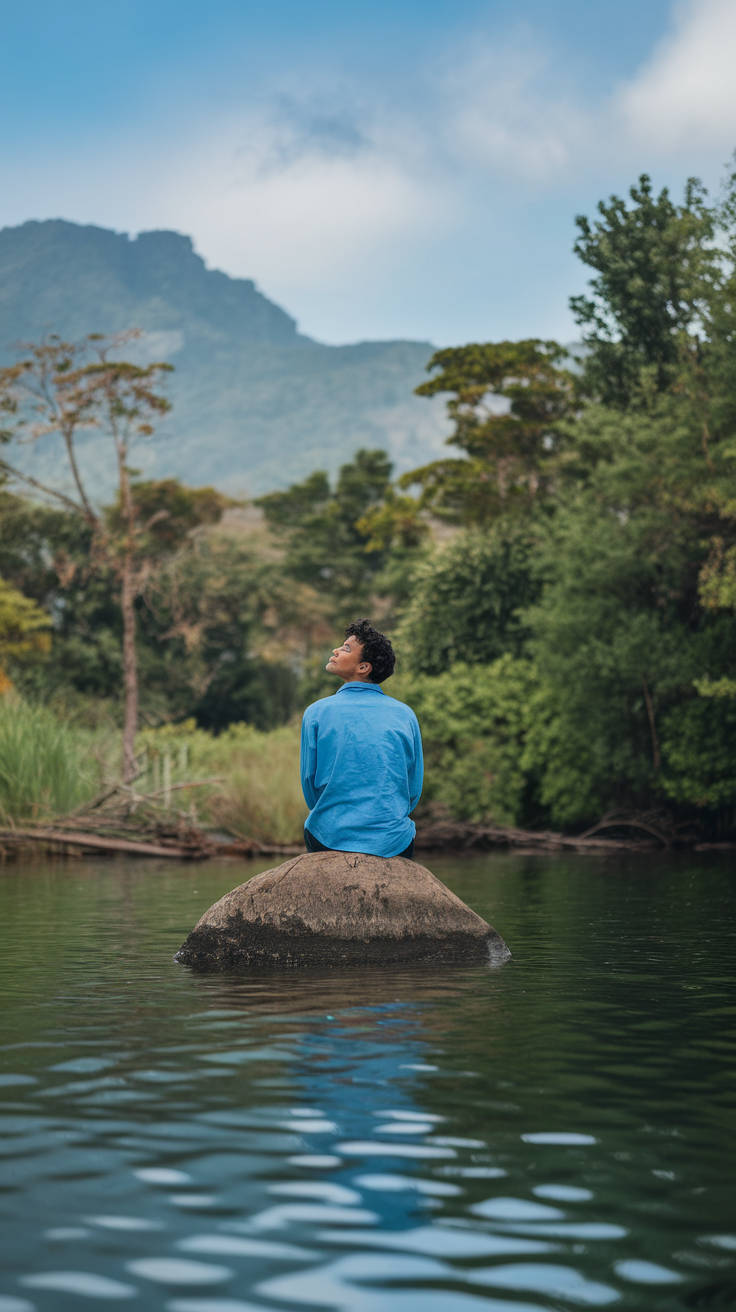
[
  {"x": 475, "y": 721},
  {"x": 467, "y": 600},
  {"x": 508, "y": 400},
  {"x": 660, "y": 272},
  {"x": 338, "y": 541}
]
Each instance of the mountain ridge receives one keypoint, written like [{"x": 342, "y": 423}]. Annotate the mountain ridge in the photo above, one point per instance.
[{"x": 256, "y": 404}]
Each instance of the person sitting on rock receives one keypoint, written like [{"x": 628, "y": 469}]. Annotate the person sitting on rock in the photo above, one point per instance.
[{"x": 361, "y": 757}]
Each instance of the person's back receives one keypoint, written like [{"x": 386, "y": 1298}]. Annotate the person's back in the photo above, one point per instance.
[{"x": 361, "y": 763}]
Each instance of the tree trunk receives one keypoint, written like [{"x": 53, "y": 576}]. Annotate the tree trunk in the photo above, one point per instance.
[
  {"x": 652, "y": 725},
  {"x": 130, "y": 669}
]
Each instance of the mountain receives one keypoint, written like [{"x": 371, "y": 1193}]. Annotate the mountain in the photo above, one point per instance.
[{"x": 256, "y": 405}]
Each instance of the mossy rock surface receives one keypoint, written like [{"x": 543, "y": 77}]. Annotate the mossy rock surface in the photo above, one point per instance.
[{"x": 339, "y": 909}]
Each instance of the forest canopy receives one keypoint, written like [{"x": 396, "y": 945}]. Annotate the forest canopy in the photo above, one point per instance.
[{"x": 561, "y": 587}]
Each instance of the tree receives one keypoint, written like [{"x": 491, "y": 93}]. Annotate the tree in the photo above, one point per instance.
[
  {"x": 220, "y": 631},
  {"x": 340, "y": 541},
  {"x": 475, "y": 720},
  {"x": 24, "y": 629},
  {"x": 659, "y": 274},
  {"x": 66, "y": 388},
  {"x": 509, "y": 400},
  {"x": 230, "y": 623},
  {"x": 625, "y": 626},
  {"x": 620, "y": 635},
  {"x": 467, "y": 597}
]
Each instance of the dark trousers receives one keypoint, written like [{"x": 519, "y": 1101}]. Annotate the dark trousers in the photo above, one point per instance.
[{"x": 313, "y": 845}]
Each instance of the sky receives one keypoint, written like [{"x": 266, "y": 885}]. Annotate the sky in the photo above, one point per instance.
[{"x": 386, "y": 170}]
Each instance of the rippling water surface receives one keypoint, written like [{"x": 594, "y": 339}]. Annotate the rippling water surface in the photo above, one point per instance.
[{"x": 556, "y": 1133}]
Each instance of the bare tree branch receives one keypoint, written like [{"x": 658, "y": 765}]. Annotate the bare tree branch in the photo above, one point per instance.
[{"x": 48, "y": 491}]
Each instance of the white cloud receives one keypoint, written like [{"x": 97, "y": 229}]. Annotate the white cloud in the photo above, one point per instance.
[
  {"x": 426, "y": 206},
  {"x": 295, "y": 217},
  {"x": 504, "y": 113},
  {"x": 684, "y": 97},
  {"x": 499, "y": 114}
]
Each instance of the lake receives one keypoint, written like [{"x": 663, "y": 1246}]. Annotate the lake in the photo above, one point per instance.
[{"x": 558, "y": 1132}]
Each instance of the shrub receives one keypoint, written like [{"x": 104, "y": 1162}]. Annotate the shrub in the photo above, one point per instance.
[{"x": 474, "y": 722}]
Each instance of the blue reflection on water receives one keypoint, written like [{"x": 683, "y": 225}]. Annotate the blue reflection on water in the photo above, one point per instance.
[{"x": 214, "y": 1144}]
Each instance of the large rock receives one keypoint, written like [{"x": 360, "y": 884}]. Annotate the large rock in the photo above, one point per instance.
[{"x": 339, "y": 909}]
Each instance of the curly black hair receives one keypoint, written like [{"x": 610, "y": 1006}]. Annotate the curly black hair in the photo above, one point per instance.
[{"x": 376, "y": 648}]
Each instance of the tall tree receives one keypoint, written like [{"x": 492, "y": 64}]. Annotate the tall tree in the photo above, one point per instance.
[
  {"x": 508, "y": 403},
  {"x": 68, "y": 388},
  {"x": 659, "y": 275},
  {"x": 336, "y": 539}
]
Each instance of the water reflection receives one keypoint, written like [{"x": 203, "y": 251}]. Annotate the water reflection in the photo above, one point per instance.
[{"x": 556, "y": 1133}]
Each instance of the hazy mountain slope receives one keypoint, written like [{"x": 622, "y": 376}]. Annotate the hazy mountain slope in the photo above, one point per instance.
[{"x": 256, "y": 405}]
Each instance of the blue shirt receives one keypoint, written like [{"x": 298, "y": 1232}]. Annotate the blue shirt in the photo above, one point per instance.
[{"x": 362, "y": 770}]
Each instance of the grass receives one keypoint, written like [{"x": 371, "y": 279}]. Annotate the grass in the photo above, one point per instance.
[
  {"x": 262, "y": 796},
  {"x": 50, "y": 766},
  {"x": 47, "y": 767},
  {"x": 259, "y": 795}
]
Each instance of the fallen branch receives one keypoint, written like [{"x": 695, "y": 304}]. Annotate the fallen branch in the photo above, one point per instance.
[
  {"x": 628, "y": 824},
  {"x": 196, "y": 783},
  {"x": 101, "y": 844},
  {"x": 458, "y": 835}
]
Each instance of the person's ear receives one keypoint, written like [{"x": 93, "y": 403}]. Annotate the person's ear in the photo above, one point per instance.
[{"x": 365, "y": 667}]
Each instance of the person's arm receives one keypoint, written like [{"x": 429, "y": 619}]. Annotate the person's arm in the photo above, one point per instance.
[
  {"x": 416, "y": 766},
  {"x": 308, "y": 761}
]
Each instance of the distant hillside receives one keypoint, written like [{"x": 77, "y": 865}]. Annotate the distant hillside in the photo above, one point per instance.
[{"x": 256, "y": 404}]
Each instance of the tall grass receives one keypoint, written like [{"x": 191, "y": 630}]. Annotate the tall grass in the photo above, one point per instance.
[
  {"x": 259, "y": 795},
  {"x": 47, "y": 767}
]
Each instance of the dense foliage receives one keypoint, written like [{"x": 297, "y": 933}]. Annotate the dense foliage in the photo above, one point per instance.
[
  {"x": 208, "y": 609},
  {"x": 630, "y": 644},
  {"x": 561, "y": 590}
]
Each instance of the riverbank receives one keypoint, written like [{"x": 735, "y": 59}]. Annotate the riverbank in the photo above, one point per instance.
[
  {"x": 445, "y": 837},
  {"x": 235, "y": 794}
]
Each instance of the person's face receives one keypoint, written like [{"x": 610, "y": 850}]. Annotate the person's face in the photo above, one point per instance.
[{"x": 347, "y": 661}]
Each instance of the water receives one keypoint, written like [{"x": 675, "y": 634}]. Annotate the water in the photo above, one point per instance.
[{"x": 556, "y": 1133}]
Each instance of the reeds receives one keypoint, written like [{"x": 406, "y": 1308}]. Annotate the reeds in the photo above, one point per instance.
[
  {"x": 50, "y": 767},
  {"x": 47, "y": 767}
]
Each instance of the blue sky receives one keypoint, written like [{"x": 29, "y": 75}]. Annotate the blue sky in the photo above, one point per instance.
[{"x": 382, "y": 170}]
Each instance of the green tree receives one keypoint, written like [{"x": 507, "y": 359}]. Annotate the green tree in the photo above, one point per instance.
[
  {"x": 625, "y": 621},
  {"x": 619, "y": 633},
  {"x": 508, "y": 402},
  {"x": 220, "y": 619},
  {"x": 219, "y": 629},
  {"x": 341, "y": 541},
  {"x": 24, "y": 630},
  {"x": 467, "y": 597},
  {"x": 660, "y": 280},
  {"x": 475, "y": 722},
  {"x": 64, "y": 388}
]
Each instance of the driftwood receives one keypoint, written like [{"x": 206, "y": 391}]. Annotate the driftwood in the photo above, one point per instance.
[
  {"x": 455, "y": 835},
  {"x": 122, "y": 820},
  {"x": 102, "y": 843},
  {"x": 664, "y": 838},
  {"x": 626, "y": 831}
]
